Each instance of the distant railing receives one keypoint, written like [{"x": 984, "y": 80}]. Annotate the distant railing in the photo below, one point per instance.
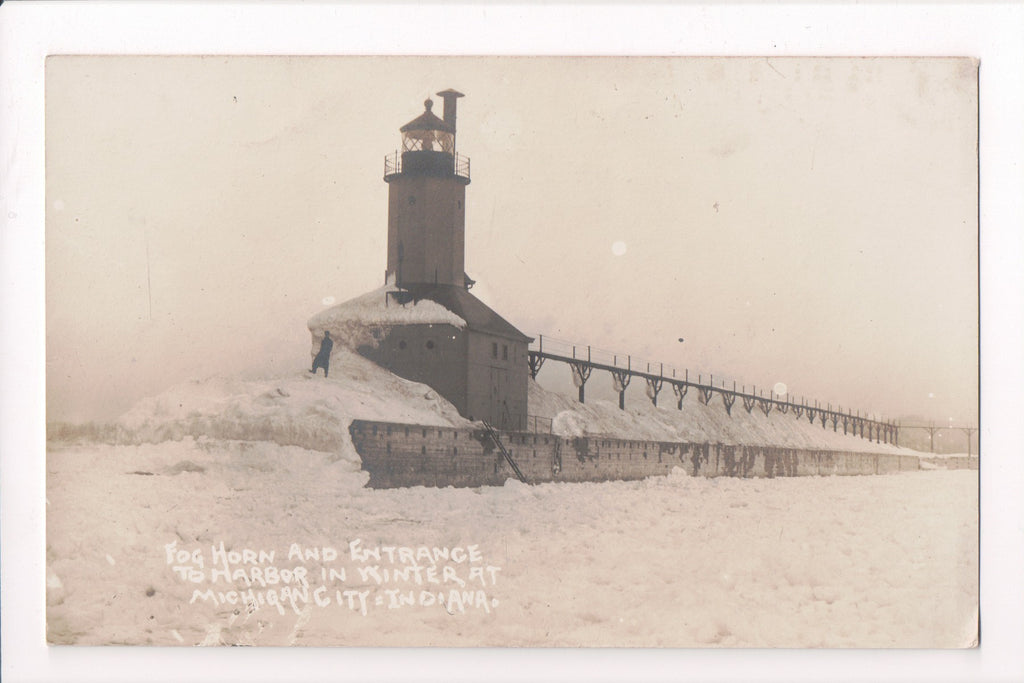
[
  {"x": 393, "y": 165},
  {"x": 623, "y": 368},
  {"x": 932, "y": 429}
]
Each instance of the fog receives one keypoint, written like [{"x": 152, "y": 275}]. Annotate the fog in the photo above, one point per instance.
[{"x": 805, "y": 221}]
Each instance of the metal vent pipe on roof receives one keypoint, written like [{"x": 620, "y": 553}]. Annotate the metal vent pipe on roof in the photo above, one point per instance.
[{"x": 450, "y": 97}]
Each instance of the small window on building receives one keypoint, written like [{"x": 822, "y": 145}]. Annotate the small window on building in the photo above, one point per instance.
[
  {"x": 430, "y": 343},
  {"x": 494, "y": 350},
  {"x": 504, "y": 351},
  {"x": 412, "y": 200},
  {"x": 459, "y": 203},
  {"x": 401, "y": 344}
]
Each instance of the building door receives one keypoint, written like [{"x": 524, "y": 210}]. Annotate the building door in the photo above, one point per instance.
[{"x": 499, "y": 415}]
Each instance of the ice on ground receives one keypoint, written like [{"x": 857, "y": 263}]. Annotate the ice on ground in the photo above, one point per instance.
[
  {"x": 672, "y": 561},
  {"x": 675, "y": 561}
]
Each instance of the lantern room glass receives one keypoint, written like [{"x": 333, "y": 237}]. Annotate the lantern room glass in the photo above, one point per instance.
[{"x": 428, "y": 141}]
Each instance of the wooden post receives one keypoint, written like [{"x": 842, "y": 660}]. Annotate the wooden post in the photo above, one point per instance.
[
  {"x": 968, "y": 431},
  {"x": 654, "y": 388},
  {"x": 681, "y": 390},
  {"x": 581, "y": 371},
  {"x": 620, "y": 380},
  {"x": 536, "y": 361},
  {"x": 727, "y": 400}
]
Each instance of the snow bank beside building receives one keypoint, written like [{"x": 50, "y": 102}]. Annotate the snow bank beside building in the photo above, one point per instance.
[{"x": 298, "y": 409}]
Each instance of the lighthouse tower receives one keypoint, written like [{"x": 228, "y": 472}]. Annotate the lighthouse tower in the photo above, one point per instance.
[
  {"x": 427, "y": 182},
  {"x": 479, "y": 365}
]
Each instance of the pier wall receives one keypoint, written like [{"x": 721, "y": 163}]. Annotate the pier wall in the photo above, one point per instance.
[
  {"x": 959, "y": 462},
  {"x": 397, "y": 455}
]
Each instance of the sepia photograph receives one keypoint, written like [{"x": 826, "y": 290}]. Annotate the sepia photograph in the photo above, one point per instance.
[
  {"x": 544, "y": 352},
  {"x": 510, "y": 343}
]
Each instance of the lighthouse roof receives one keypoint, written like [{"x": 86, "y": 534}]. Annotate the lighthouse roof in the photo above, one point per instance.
[
  {"x": 478, "y": 315},
  {"x": 427, "y": 121}
]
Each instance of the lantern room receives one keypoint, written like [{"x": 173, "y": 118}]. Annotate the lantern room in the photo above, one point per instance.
[
  {"x": 427, "y": 133},
  {"x": 428, "y": 144}
]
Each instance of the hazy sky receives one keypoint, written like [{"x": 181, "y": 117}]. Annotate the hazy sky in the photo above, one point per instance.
[{"x": 806, "y": 221}]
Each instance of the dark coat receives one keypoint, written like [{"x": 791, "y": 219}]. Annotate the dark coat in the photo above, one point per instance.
[{"x": 323, "y": 357}]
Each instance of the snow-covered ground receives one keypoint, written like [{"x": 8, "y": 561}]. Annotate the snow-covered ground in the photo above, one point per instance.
[
  {"x": 134, "y": 530},
  {"x": 674, "y": 561}
]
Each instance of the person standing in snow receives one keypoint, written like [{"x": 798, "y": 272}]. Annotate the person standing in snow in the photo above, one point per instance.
[{"x": 323, "y": 356}]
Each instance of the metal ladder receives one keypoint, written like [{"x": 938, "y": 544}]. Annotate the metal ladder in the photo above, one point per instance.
[{"x": 508, "y": 456}]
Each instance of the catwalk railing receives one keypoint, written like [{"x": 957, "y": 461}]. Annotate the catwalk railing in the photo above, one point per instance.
[
  {"x": 933, "y": 429},
  {"x": 459, "y": 165},
  {"x": 583, "y": 360}
]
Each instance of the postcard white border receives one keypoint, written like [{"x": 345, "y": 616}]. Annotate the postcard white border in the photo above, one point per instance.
[{"x": 29, "y": 31}]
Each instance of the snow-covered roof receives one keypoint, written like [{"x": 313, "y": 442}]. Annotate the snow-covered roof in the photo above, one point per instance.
[
  {"x": 415, "y": 305},
  {"x": 479, "y": 316},
  {"x": 380, "y": 307}
]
